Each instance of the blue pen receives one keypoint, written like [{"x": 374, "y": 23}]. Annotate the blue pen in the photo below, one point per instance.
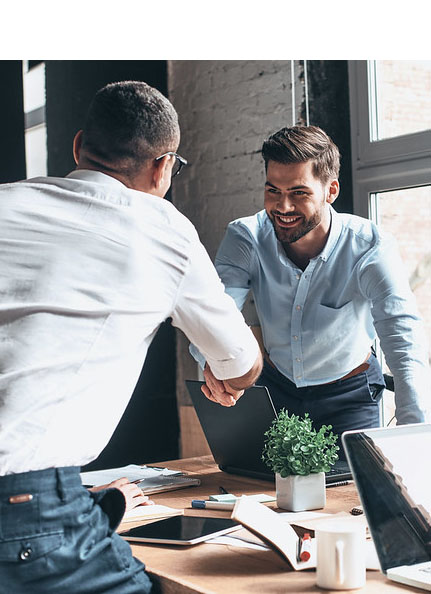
[{"x": 204, "y": 504}]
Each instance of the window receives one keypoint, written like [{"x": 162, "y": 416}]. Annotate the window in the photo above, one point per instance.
[
  {"x": 34, "y": 118},
  {"x": 390, "y": 105},
  {"x": 401, "y": 92}
]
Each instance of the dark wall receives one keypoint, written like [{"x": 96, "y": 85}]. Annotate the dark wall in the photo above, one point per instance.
[
  {"x": 149, "y": 428},
  {"x": 148, "y": 431},
  {"x": 328, "y": 92},
  {"x": 12, "y": 147},
  {"x": 70, "y": 86}
]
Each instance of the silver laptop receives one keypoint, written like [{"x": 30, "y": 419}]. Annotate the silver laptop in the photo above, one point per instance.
[{"x": 392, "y": 471}]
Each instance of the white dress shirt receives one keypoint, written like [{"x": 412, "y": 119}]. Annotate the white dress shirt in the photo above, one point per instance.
[{"x": 89, "y": 269}]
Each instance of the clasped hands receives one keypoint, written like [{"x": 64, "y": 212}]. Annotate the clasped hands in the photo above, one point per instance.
[{"x": 219, "y": 390}]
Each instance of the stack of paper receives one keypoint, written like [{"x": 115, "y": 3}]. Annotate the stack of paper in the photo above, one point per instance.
[
  {"x": 132, "y": 472},
  {"x": 150, "y": 479}
]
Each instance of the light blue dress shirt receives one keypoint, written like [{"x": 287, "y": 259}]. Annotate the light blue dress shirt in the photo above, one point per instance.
[{"x": 319, "y": 324}]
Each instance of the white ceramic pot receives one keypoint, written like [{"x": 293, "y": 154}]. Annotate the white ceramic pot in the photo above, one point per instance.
[{"x": 299, "y": 493}]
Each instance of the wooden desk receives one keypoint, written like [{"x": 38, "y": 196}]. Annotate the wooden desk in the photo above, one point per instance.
[{"x": 224, "y": 569}]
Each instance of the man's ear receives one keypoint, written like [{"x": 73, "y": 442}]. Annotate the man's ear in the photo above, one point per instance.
[
  {"x": 77, "y": 142},
  {"x": 334, "y": 190},
  {"x": 160, "y": 173}
]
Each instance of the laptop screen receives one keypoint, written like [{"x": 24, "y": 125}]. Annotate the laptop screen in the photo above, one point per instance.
[
  {"x": 392, "y": 472},
  {"x": 236, "y": 434}
]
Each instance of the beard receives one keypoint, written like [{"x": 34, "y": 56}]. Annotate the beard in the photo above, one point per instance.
[{"x": 291, "y": 235}]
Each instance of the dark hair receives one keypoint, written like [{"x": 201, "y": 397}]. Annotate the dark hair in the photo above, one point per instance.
[
  {"x": 127, "y": 124},
  {"x": 304, "y": 143}
]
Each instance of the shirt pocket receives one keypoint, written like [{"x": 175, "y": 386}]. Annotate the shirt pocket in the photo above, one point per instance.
[{"x": 332, "y": 323}]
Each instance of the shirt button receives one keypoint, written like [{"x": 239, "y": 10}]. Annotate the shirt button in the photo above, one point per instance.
[
  {"x": 299, "y": 377},
  {"x": 298, "y": 307},
  {"x": 298, "y": 276},
  {"x": 295, "y": 338},
  {"x": 298, "y": 359}
]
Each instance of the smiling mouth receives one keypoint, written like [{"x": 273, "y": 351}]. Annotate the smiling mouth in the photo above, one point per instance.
[{"x": 286, "y": 221}]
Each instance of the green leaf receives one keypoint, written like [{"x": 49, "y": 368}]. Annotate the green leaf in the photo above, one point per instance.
[{"x": 293, "y": 446}]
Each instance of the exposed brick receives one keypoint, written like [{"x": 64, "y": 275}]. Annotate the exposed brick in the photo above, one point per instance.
[{"x": 227, "y": 108}]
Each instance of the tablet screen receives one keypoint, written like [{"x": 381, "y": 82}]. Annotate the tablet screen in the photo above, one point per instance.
[{"x": 180, "y": 530}]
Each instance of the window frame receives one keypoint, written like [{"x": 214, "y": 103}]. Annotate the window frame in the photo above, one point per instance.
[
  {"x": 390, "y": 164},
  {"x": 395, "y": 163}
]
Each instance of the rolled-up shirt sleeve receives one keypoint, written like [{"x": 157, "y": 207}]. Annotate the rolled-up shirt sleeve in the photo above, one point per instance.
[
  {"x": 400, "y": 330},
  {"x": 211, "y": 321}
]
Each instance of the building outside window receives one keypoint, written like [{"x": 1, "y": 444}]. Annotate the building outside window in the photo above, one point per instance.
[{"x": 390, "y": 105}]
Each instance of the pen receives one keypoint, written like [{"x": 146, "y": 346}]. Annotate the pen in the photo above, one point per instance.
[
  {"x": 305, "y": 547},
  {"x": 203, "y": 504}
]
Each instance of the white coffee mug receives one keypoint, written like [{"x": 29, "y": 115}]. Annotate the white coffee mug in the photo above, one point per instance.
[{"x": 340, "y": 555}]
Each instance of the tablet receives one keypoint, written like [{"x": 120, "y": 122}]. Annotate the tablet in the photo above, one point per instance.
[{"x": 181, "y": 530}]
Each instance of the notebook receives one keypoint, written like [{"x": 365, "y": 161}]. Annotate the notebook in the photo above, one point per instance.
[
  {"x": 392, "y": 472},
  {"x": 150, "y": 512},
  {"x": 150, "y": 479},
  {"x": 235, "y": 434}
]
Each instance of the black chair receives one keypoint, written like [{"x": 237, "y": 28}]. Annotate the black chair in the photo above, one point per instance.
[{"x": 389, "y": 381}]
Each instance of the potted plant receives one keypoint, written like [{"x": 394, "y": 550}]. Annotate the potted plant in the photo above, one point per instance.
[{"x": 299, "y": 456}]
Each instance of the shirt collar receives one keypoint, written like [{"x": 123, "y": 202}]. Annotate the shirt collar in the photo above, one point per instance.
[
  {"x": 334, "y": 234},
  {"x": 94, "y": 176}
]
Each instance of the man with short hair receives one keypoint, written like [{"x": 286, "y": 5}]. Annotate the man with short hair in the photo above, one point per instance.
[
  {"x": 90, "y": 266},
  {"x": 325, "y": 285}
]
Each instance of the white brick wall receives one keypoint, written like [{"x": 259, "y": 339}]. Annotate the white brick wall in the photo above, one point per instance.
[{"x": 226, "y": 110}]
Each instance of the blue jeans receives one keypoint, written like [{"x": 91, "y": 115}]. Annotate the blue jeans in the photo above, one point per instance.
[
  {"x": 352, "y": 403},
  {"x": 60, "y": 538}
]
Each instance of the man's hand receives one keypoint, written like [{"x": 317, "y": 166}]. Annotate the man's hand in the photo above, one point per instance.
[
  {"x": 218, "y": 390},
  {"x": 131, "y": 492}
]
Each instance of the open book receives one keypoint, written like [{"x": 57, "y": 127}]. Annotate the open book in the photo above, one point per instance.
[
  {"x": 272, "y": 529},
  {"x": 150, "y": 512},
  {"x": 275, "y": 530}
]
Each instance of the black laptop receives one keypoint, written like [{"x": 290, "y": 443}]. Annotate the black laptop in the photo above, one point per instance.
[
  {"x": 235, "y": 434},
  {"x": 392, "y": 473}
]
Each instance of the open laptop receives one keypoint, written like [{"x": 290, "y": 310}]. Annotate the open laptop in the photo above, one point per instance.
[
  {"x": 392, "y": 472},
  {"x": 235, "y": 434}
]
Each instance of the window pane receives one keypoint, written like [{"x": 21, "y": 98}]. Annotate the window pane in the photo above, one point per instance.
[
  {"x": 36, "y": 151},
  {"x": 34, "y": 87},
  {"x": 406, "y": 214},
  {"x": 401, "y": 93},
  {"x": 34, "y": 117}
]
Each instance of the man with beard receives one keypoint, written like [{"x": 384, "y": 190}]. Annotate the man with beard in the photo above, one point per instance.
[{"x": 324, "y": 284}]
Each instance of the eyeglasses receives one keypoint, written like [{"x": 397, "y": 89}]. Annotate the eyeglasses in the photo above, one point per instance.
[{"x": 179, "y": 162}]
